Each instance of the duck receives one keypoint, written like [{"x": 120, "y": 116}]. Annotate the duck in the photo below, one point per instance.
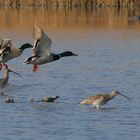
[
  {"x": 4, "y": 80},
  {"x": 49, "y": 99},
  {"x": 100, "y": 99},
  {"x": 8, "y": 50},
  {"x": 9, "y": 100},
  {"x": 46, "y": 99},
  {"x": 41, "y": 51}
]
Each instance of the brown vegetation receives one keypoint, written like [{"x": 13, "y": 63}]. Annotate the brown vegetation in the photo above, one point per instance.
[
  {"x": 68, "y": 3},
  {"x": 55, "y": 19}
]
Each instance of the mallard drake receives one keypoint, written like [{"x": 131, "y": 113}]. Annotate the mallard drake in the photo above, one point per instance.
[
  {"x": 9, "y": 51},
  {"x": 101, "y": 99},
  {"x": 42, "y": 50}
]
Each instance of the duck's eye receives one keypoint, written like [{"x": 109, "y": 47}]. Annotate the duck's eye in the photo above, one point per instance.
[
  {"x": 33, "y": 59},
  {"x": 9, "y": 45}
]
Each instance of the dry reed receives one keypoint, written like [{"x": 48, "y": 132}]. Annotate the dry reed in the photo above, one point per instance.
[{"x": 68, "y": 3}]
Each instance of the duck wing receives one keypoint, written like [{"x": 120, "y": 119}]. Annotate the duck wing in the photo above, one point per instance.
[
  {"x": 7, "y": 47},
  {"x": 42, "y": 45},
  {"x": 14, "y": 52},
  {"x": 5, "y": 42}
]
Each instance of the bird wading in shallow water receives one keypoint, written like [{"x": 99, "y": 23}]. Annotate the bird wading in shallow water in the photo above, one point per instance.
[
  {"x": 101, "y": 99},
  {"x": 42, "y": 50},
  {"x": 9, "y": 51},
  {"x": 4, "y": 80}
]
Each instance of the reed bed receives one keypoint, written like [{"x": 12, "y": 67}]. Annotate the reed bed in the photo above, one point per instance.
[{"x": 69, "y": 3}]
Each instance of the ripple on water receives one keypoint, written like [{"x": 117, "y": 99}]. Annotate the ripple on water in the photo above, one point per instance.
[{"x": 107, "y": 60}]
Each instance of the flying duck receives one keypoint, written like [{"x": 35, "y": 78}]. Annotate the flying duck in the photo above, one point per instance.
[
  {"x": 9, "y": 51},
  {"x": 42, "y": 50}
]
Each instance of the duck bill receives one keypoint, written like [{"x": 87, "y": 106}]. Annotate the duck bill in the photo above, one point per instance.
[
  {"x": 15, "y": 73},
  {"x": 26, "y": 62},
  {"x": 75, "y": 54},
  {"x": 125, "y": 97}
]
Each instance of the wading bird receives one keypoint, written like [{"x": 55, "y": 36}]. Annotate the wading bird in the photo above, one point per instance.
[
  {"x": 4, "y": 80},
  {"x": 101, "y": 99},
  {"x": 9, "y": 51},
  {"x": 42, "y": 50}
]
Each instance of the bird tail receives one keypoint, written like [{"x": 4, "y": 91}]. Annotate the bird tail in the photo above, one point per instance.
[
  {"x": 56, "y": 97},
  {"x": 82, "y": 102},
  {"x": 86, "y": 101}
]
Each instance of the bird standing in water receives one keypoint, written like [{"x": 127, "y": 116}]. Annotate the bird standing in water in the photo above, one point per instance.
[
  {"x": 101, "y": 99},
  {"x": 42, "y": 50},
  {"x": 9, "y": 51},
  {"x": 4, "y": 80}
]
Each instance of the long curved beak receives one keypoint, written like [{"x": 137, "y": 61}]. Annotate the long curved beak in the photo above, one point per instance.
[
  {"x": 125, "y": 96},
  {"x": 15, "y": 73}
]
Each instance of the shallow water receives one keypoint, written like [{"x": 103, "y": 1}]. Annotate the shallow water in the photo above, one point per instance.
[{"x": 108, "y": 58}]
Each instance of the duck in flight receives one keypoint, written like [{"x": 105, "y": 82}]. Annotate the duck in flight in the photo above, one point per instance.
[
  {"x": 42, "y": 50},
  {"x": 9, "y": 51}
]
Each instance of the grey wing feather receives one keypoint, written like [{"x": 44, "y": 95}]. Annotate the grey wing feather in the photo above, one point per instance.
[
  {"x": 15, "y": 52},
  {"x": 5, "y": 43},
  {"x": 43, "y": 44}
]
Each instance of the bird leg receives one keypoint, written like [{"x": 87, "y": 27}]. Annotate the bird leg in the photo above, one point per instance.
[
  {"x": 0, "y": 66},
  {"x": 35, "y": 68},
  {"x": 97, "y": 106},
  {"x": 6, "y": 66}
]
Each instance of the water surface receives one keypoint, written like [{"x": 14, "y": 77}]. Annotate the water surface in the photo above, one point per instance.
[{"x": 108, "y": 45}]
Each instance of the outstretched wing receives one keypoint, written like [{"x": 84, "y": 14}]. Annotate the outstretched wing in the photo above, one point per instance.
[
  {"x": 42, "y": 45},
  {"x": 8, "y": 48},
  {"x": 5, "y": 43},
  {"x": 14, "y": 52}
]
